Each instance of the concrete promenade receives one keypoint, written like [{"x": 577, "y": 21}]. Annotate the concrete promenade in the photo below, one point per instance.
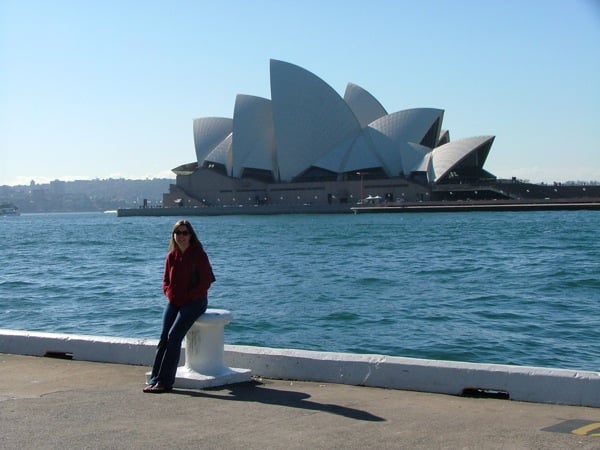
[{"x": 58, "y": 403}]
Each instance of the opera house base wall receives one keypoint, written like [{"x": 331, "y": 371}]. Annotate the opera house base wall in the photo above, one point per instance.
[{"x": 205, "y": 187}]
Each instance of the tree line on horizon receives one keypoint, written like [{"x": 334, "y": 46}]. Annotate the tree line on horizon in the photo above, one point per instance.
[{"x": 86, "y": 195}]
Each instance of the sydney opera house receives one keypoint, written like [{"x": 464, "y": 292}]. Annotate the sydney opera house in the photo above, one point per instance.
[{"x": 308, "y": 145}]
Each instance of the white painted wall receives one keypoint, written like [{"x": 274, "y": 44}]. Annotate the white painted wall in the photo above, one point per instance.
[{"x": 531, "y": 384}]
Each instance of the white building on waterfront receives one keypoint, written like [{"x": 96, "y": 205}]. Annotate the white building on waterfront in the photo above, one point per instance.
[{"x": 308, "y": 144}]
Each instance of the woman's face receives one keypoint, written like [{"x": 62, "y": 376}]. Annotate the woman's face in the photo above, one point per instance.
[{"x": 182, "y": 236}]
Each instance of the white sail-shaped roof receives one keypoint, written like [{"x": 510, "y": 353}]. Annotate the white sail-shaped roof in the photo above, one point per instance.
[
  {"x": 350, "y": 155},
  {"x": 388, "y": 151},
  {"x": 222, "y": 154},
  {"x": 414, "y": 157},
  {"x": 366, "y": 108},
  {"x": 362, "y": 156},
  {"x": 208, "y": 133},
  {"x": 409, "y": 125},
  {"x": 444, "y": 138},
  {"x": 423, "y": 165},
  {"x": 253, "y": 135},
  {"x": 448, "y": 156},
  {"x": 309, "y": 117},
  {"x": 335, "y": 159},
  {"x": 307, "y": 124}
]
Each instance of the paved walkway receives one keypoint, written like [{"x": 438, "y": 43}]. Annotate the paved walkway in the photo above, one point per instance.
[{"x": 58, "y": 404}]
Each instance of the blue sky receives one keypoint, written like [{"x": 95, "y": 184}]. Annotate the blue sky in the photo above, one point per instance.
[{"x": 99, "y": 89}]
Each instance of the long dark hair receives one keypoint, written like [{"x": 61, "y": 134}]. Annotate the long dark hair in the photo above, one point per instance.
[{"x": 193, "y": 237}]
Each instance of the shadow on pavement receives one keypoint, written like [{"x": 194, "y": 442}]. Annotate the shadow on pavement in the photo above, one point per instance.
[{"x": 254, "y": 391}]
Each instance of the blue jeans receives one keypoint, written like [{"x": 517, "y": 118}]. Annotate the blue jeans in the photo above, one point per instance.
[{"x": 176, "y": 323}]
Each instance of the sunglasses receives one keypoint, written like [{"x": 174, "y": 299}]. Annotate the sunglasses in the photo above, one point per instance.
[{"x": 183, "y": 233}]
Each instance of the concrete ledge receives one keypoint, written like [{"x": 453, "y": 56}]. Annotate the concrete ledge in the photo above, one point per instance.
[
  {"x": 80, "y": 347},
  {"x": 531, "y": 384}
]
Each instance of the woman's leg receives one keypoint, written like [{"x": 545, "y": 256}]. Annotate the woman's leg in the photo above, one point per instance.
[
  {"x": 169, "y": 316},
  {"x": 184, "y": 321}
]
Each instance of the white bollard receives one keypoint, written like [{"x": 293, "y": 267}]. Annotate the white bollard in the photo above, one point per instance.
[{"x": 204, "y": 348}]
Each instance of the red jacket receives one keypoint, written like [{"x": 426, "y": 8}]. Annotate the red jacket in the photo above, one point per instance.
[{"x": 187, "y": 275}]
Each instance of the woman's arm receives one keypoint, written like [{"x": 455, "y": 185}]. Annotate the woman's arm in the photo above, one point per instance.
[
  {"x": 167, "y": 275},
  {"x": 204, "y": 276}
]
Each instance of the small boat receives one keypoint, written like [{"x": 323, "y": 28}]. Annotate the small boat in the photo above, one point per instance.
[{"x": 8, "y": 209}]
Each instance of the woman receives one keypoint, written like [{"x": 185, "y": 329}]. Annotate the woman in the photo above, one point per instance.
[{"x": 188, "y": 276}]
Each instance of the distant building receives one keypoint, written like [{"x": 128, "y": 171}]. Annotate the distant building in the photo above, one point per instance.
[{"x": 309, "y": 145}]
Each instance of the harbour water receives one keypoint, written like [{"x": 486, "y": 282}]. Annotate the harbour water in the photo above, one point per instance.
[{"x": 491, "y": 287}]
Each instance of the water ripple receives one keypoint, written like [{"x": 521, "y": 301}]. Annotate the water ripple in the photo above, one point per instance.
[{"x": 509, "y": 288}]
